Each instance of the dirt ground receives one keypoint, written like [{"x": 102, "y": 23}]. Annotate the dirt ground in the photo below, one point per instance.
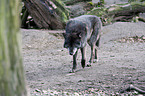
[{"x": 47, "y": 63}]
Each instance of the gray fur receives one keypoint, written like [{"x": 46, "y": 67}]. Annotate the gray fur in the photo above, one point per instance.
[{"x": 79, "y": 31}]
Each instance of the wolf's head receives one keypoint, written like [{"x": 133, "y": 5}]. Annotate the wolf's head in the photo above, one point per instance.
[
  {"x": 74, "y": 36},
  {"x": 72, "y": 42}
]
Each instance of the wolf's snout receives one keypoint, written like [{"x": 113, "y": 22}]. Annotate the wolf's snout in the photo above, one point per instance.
[{"x": 72, "y": 51}]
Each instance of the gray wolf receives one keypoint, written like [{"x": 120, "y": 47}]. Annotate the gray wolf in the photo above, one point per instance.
[{"x": 80, "y": 31}]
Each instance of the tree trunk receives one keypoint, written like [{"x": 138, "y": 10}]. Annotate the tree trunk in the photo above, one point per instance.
[
  {"x": 124, "y": 12},
  {"x": 12, "y": 81},
  {"x": 48, "y": 14}
]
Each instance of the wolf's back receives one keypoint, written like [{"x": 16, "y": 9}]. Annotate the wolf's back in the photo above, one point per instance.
[{"x": 89, "y": 20}]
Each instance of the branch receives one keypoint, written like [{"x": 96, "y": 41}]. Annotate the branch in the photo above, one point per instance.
[
  {"x": 131, "y": 87},
  {"x": 141, "y": 19}
]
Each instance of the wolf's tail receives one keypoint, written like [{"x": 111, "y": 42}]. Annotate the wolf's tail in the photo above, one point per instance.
[{"x": 98, "y": 42}]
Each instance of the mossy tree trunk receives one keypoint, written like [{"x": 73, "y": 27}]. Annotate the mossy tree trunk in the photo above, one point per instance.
[
  {"x": 48, "y": 14},
  {"x": 119, "y": 12},
  {"x": 12, "y": 81}
]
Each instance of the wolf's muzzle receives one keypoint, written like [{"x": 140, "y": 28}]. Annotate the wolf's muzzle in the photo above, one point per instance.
[{"x": 72, "y": 51}]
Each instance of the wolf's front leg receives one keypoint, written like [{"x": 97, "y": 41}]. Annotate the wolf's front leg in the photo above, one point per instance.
[
  {"x": 74, "y": 62},
  {"x": 83, "y": 57}
]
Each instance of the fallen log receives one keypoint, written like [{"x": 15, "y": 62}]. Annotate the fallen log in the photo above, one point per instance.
[
  {"x": 119, "y": 12},
  {"x": 48, "y": 14}
]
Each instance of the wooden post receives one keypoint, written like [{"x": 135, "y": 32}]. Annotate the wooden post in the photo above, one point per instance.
[{"x": 12, "y": 81}]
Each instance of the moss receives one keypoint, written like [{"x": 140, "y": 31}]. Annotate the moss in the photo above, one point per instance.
[
  {"x": 91, "y": 3},
  {"x": 61, "y": 7},
  {"x": 138, "y": 4},
  {"x": 108, "y": 14},
  {"x": 122, "y": 4},
  {"x": 61, "y": 10},
  {"x": 98, "y": 12},
  {"x": 113, "y": 9}
]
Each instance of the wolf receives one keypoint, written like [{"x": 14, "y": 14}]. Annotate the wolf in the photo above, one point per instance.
[{"x": 78, "y": 32}]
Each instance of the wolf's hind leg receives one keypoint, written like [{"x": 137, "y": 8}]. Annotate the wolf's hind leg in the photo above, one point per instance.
[
  {"x": 97, "y": 45},
  {"x": 96, "y": 49},
  {"x": 92, "y": 55},
  {"x": 98, "y": 41}
]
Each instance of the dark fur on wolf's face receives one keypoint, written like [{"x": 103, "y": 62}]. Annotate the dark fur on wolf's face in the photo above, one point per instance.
[
  {"x": 72, "y": 42},
  {"x": 75, "y": 34}
]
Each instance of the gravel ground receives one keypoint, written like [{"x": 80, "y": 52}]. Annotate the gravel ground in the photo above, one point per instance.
[{"x": 47, "y": 63}]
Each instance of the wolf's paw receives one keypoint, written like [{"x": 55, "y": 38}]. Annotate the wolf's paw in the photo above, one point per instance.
[
  {"x": 72, "y": 71},
  {"x": 95, "y": 60},
  {"x": 83, "y": 65},
  {"x": 88, "y": 65}
]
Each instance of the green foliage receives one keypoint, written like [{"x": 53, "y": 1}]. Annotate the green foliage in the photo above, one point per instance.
[
  {"x": 91, "y": 3},
  {"x": 136, "y": 5},
  {"x": 115, "y": 12},
  {"x": 98, "y": 12},
  {"x": 102, "y": 1},
  {"x": 132, "y": 1},
  {"x": 61, "y": 10}
]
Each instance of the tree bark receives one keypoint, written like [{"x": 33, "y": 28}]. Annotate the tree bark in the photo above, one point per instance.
[
  {"x": 12, "y": 80},
  {"x": 48, "y": 14},
  {"x": 124, "y": 12}
]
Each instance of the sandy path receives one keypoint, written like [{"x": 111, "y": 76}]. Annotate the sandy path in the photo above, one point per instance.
[{"x": 47, "y": 63}]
